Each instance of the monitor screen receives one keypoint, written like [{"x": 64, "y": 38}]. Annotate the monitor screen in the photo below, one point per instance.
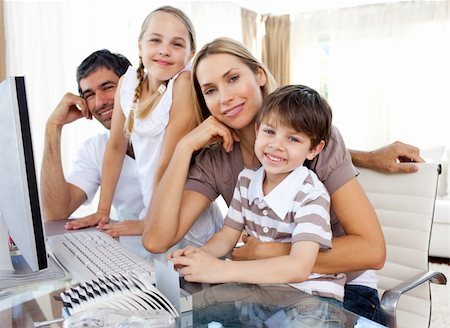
[{"x": 19, "y": 198}]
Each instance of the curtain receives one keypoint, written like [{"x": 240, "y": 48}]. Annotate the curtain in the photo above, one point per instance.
[
  {"x": 249, "y": 29},
  {"x": 2, "y": 44},
  {"x": 275, "y": 47},
  {"x": 384, "y": 68}
]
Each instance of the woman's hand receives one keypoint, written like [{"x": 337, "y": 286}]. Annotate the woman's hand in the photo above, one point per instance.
[
  {"x": 100, "y": 217},
  {"x": 123, "y": 228},
  {"x": 208, "y": 132}
]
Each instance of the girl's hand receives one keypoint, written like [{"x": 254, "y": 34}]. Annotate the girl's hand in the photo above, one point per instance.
[
  {"x": 199, "y": 266},
  {"x": 209, "y": 132},
  {"x": 100, "y": 217},
  {"x": 123, "y": 228}
]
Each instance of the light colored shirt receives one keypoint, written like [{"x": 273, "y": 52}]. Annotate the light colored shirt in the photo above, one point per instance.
[
  {"x": 296, "y": 210},
  {"x": 86, "y": 173}
]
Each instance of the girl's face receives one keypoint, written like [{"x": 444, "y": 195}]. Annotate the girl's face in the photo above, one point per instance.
[
  {"x": 232, "y": 91},
  {"x": 165, "y": 47}
]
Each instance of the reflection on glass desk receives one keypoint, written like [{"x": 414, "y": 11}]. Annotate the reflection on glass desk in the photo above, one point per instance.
[{"x": 232, "y": 305}]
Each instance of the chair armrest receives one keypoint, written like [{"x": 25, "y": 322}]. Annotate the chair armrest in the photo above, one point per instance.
[{"x": 391, "y": 296}]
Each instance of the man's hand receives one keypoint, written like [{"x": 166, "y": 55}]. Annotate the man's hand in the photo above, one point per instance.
[
  {"x": 123, "y": 228},
  {"x": 69, "y": 109},
  {"x": 396, "y": 157},
  {"x": 100, "y": 217}
]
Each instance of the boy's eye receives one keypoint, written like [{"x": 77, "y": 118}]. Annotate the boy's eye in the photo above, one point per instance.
[
  {"x": 268, "y": 131},
  {"x": 294, "y": 139}
]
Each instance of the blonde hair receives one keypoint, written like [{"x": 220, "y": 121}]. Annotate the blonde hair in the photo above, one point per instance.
[
  {"x": 228, "y": 46},
  {"x": 145, "y": 108}
]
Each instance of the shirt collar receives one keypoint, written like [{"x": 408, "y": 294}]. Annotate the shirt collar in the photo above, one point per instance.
[{"x": 281, "y": 197}]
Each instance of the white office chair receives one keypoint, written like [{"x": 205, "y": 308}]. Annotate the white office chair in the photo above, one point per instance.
[{"x": 404, "y": 204}]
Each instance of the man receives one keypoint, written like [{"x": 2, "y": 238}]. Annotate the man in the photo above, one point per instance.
[{"x": 97, "y": 78}]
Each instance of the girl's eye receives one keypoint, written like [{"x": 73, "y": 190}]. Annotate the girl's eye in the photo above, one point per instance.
[
  {"x": 154, "y": 40},
  {"x": 179, "y": 45},
  {"x": 268, "y": 131},
  {"x": 234, "y": 78}
]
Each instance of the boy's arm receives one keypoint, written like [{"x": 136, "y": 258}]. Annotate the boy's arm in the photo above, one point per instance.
[
  {"x": 201, "y": 266},
  {"x": 222, "y": 242}
]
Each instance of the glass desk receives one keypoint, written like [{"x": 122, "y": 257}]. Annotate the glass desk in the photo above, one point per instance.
[{"x": 232, "y": 305}]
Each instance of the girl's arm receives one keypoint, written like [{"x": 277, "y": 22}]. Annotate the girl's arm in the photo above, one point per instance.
[
  {"x": 173, "y": 210},
  {"x": 181, "y": 121},
  {"x": 112, "y": 166},
  {"x": 200, "y": 266},
  {"x": 363, "y": 246}
]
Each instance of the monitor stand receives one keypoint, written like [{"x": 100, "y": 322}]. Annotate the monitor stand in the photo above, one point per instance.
[{"x": 15, "y": 271}]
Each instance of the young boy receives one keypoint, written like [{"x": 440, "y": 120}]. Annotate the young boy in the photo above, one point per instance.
[{"x": 283, "y": 201}]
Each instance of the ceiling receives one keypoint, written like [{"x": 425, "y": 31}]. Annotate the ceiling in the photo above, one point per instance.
[{"x": 297, "y": 6}]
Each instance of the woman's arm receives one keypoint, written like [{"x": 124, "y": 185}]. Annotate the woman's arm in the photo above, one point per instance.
[
  {"x": 173, "y": 210},
  {"x": 395, "y": 157},
  {"x": 112, "y": 166},
  {"x": 363, "y": 246}
]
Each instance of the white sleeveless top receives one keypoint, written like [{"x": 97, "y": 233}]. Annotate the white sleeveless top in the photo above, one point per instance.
[{"x": 148, "y": 133}]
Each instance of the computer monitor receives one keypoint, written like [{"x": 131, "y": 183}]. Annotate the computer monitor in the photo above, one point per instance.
[{"x": 19, "y": 199}]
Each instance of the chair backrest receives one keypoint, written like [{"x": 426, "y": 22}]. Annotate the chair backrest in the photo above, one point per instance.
[{"x": 404, "y": 203}]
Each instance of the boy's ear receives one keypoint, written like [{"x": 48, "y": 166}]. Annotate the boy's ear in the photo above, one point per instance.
[{"x": 316, "y": 150}]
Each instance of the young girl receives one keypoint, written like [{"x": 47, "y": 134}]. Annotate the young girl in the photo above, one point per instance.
[{"x": 152, "y": 112}]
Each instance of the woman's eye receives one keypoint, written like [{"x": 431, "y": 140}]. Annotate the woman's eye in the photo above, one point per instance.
[
  {"x": 234, "y": 78},
  {"x": 208, "y": 92}
]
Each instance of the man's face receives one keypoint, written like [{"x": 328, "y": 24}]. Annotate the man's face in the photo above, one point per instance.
[{"x": 99, "y": 89}]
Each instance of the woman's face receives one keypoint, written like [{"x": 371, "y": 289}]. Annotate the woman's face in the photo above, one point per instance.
[{"x": 232, "y": 91}]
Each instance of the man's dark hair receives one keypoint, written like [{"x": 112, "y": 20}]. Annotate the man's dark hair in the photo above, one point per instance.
[
  {"x": 301, "y": 108},
  {"x": 102, "y": 58}
]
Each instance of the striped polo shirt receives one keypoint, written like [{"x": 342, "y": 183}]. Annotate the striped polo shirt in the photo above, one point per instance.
[{"x": 297, "y": 209}]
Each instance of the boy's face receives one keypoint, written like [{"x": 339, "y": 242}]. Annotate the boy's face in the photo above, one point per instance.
[{"x": 281, "y": 149}]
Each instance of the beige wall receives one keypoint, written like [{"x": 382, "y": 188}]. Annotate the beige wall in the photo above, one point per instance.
[{"x": 2, "y": 44}]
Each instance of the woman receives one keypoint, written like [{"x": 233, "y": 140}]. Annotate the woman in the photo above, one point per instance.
[{"x": 230, "y": 85}]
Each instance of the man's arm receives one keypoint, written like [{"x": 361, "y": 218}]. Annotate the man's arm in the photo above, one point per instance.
[
  {"x": 393, "y": 158},
  {"x": 59, "y": 198}
]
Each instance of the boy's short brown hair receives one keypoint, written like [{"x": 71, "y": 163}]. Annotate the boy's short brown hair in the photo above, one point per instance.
[{"x": 301, "y": 108}]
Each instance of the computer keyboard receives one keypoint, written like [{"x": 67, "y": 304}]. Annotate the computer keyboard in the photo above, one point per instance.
[{"x": 87, "y": 255}]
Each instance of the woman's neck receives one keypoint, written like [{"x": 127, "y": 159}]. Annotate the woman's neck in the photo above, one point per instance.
[{"x": 247, "y": 138}]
